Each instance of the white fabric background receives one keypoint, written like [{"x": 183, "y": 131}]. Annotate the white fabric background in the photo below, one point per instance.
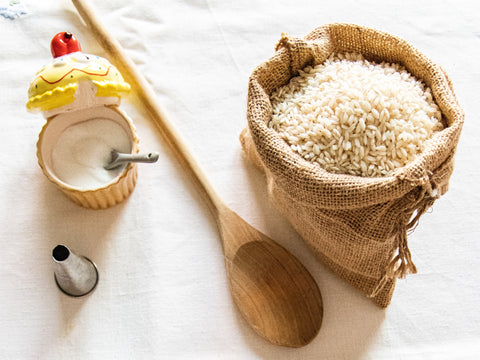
[{"x": 163, "y": 293}]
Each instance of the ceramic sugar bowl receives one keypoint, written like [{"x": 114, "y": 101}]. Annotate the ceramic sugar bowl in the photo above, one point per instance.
[{"x": 79, "y": 95}]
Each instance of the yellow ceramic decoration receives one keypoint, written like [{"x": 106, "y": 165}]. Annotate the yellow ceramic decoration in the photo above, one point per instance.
[
  {"x": 74, "y": 89},
  {"x": 56, "y": 83}
]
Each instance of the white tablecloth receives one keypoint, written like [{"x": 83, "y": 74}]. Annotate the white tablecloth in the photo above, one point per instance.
[{"x": 163, "y": 293}]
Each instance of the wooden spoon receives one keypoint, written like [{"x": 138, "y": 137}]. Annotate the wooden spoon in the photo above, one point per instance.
[{"x": 274, "y": 292}]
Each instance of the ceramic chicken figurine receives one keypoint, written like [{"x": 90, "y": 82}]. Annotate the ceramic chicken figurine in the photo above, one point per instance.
[
  {"x": 74, "y": 80},
  {"x": 79, "y": 95}
]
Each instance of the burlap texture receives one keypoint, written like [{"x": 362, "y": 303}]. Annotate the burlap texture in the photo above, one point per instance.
[{"x": 356, "y": 225}]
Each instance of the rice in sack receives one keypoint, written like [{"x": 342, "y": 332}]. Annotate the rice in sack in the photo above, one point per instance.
[
  {"x": 355, "y": 117},
  {"x": 354, "y": 147}
]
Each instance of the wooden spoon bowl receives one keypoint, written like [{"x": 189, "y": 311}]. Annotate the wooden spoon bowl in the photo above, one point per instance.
[{"x": 274, "y": 292}]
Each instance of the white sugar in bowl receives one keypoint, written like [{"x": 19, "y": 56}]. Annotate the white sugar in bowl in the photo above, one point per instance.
[{"x": 74, "y": 147}]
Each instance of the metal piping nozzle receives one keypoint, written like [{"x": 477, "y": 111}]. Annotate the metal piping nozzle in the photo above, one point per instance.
[{"x": 75, "y": 275}]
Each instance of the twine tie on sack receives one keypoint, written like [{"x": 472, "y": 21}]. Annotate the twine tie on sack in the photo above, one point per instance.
[{"x": 402, "y": 265}]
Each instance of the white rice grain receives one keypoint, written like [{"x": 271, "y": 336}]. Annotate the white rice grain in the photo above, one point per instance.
[{"x": 356, "y": 117}]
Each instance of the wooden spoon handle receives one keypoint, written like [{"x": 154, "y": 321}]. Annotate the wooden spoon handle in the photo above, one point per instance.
[{"x": 148, "y": 98}]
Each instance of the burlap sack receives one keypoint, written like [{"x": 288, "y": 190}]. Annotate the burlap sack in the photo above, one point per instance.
[{"x": 356, "y": 225}]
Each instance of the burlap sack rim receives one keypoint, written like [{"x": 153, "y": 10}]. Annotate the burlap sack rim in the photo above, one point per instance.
[{"x": 309, "y": 176}]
